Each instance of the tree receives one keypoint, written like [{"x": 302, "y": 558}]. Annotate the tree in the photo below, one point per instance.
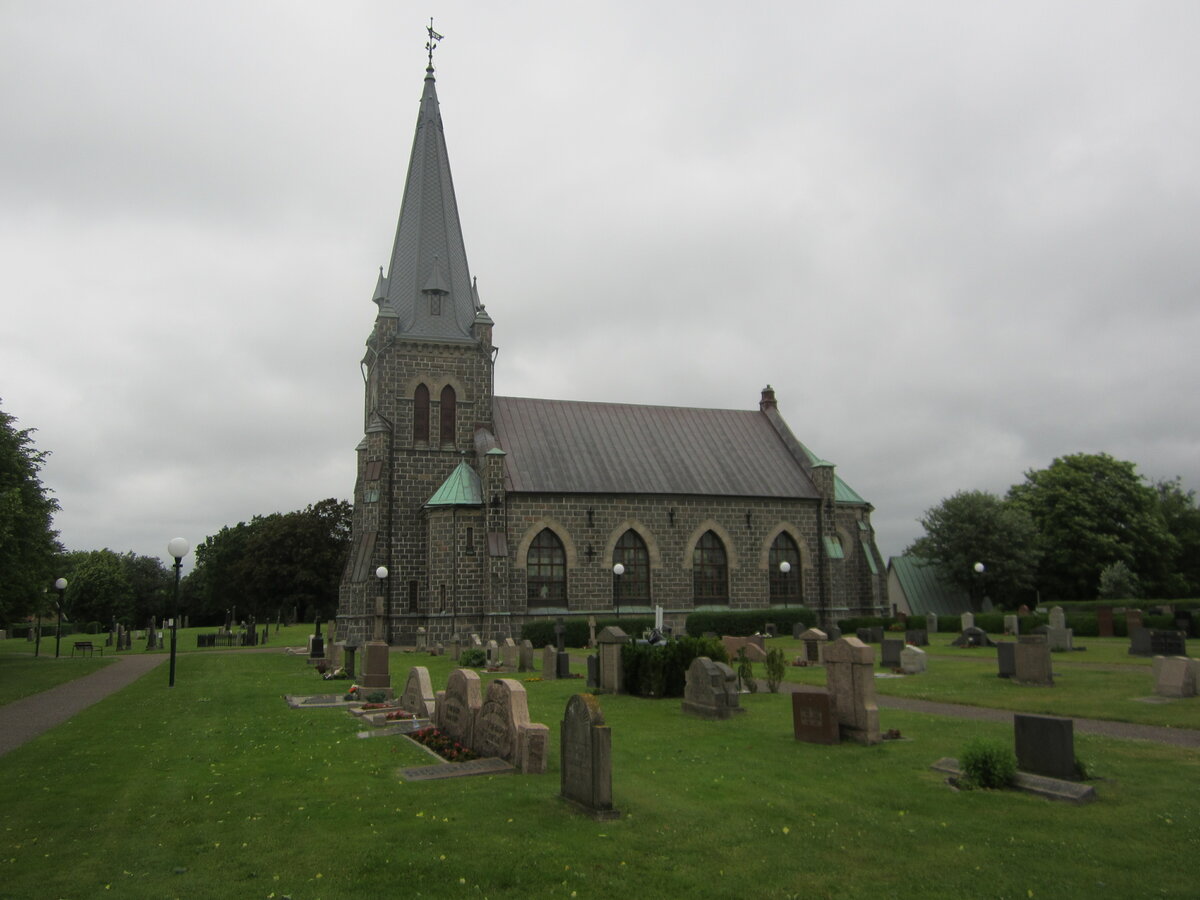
[
  {"x": 1117, "y": 582},
  {"x": 1182, "y": 518},
  {"x": 275, "y": 562},
  {"x": 28, "y": 542},
  {"x": 978, "y": 527},
  {"x": 1092, "y": 510},
  {"x": 97, "y": 587}
]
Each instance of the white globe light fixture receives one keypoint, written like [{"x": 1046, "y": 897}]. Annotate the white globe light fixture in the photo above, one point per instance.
[
  {"x": 177, "y": 548},
  {"x": 979, "y": 568},
  {"x": 785, "y": 567},
  {"x": 381, "y": 573},
  {"x": 619, "y": 569}
]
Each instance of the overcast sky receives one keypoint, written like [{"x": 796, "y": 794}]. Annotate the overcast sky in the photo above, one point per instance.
[{"x": 959, "y": 239}]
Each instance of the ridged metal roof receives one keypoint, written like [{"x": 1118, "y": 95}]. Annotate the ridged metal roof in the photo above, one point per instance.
[
  {"x": 926, "y": 588},
  {"x": 561, "y": 446},
  {"x": 428, "y": 253}
]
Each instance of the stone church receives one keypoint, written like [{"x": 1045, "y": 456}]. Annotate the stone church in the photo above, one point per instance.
[{"x": 478, "y": 513}]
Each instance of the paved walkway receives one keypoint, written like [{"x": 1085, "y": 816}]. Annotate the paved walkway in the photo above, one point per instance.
[
  {"x": 24, "y": 719},
  {"x": 1180, "y": 737}
]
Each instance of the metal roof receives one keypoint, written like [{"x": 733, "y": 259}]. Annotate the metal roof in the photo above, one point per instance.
[
  {"x": 428, "y": 253},
  {"x": 927, "y": 589},
  {"x": 460, "y": 489},
  {"x": 563, "y": 446}
]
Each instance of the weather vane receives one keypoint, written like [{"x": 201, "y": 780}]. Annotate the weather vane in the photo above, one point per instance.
[{"x": 431, "y": 44}]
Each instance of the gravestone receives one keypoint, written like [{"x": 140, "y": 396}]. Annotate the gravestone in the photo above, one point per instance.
[
  {"x": 418, "y": 697},
  {"x": 754, "y": 651},
  {"x": 549, "y": 663},
  {"x": 973, "y": 637},
  {"x": 456, "y": 706},
  {"x": 833, "y": 632},
  {"x": 814, "y": 720},
  {"x": 711, "y": 690},
  {"x": 422, "y": 638},
  {"x": 913, "y": 660},
  {"x": 1184, "y": 622},
  {"x": 610, "y": 671},
  {"x": 593, "y": 672},
  {"x": 316, "y": 644},
  {"x": 870, "y": 635},
  {"x": 591, "y": 632},
  {"x": 151, "y": 636},
  {"x": 493, "y": 655},
  {"x": 814, "y": 645},
  {"x": 1175, "y": 676},
  {"x": 1006, "y": 659},
  {"x": 563, "y": 664},
  {"x": 798, "y": 628},
  {"x": 375, "y": 675},
  {"x": 917, "y": 637},
  {"x": 1031, "y": 661},
  {"x": 1167, "y": 643},
  {"x": 968, "y": 621},
  {"x": 850, "y": 677},
  {"x": 348, "y": 659},
  {"x": 1058, "y": 635},
  {"x": 560, "y": 635},
  {"x": 1104, "y": 621},
  {"x": 1045, "y": 745},
  {"x": 525, "y": 656},
  {"x": 770, "y": 630},
  {"x": 508, "y": 654},
  {"x": 1023, "y": 610},
  {"x": 1133, "y": 620},
  {"x": 931, "y": 623},
  {"x": 502, "y": 728},
  {"x": 1139, "y": 642},
  {"x": 889, "y": 653},
  {"x": 454, "y": 648},
  {"x": 585, "y": 756},
  {"x": 476, "y": 641},
  {"x": 1012, "y": 625}
]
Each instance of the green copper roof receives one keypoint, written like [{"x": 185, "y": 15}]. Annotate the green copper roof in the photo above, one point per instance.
[
  {"x": 460, "y": 489},
  {"x": 927, "y": 589},
  {"x": 842, "y": 492}
]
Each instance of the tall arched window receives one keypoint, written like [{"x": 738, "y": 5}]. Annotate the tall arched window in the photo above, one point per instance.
[
  {"x": 546, "y": 570},
  {"x": 421, "y": 415},
  {"x": 633, "y": 585},
  {"x": 785, "y": 586},
  {"x": 449, "y": 412},
  {"x": 710, "y": 573}
]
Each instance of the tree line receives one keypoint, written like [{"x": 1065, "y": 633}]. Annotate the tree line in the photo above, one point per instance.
[
  {"x": 278, "y": 564},
  {"x": 1087, "y": 526}
]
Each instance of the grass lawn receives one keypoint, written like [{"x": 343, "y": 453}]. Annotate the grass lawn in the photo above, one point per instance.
[
  {"x": 21, "y": 676},
  {"x": 216, "y": 789}
]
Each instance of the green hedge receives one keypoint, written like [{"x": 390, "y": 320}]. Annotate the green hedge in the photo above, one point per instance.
[
  {"x": 739, "y": 623},
  {"x": 541, "y": 634},
  {"x": 1082, "y": 624},
  {"x": 661, "y": 670}
]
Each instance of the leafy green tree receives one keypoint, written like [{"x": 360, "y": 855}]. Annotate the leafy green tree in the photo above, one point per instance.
[
  {"x": 1117, "y": 582},
  {"x": 1182, "y": 518},
  {"x": 275, "y": 562},
  {"x": 28, "y": 542},
  {"x": 978, "y": 527},
  {"x": 1092, "y": 510},
  {"x": 97, "y": 587}
]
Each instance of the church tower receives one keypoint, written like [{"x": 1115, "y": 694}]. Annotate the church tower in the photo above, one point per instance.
[{"x": 428, "y": 388}]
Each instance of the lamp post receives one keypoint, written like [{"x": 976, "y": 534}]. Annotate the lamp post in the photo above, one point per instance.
[
  {"x": 178, "y": 548},
  {"x": 618, "y": 571},
  {"x": 382, "y": 574},
  {"x": 979, "y": 569},
  {"x": 784, "y": 568},
  {"x": 61, "y": 587}
]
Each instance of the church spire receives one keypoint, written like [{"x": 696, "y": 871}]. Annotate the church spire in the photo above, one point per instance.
[{"x": 428, "y": 284}]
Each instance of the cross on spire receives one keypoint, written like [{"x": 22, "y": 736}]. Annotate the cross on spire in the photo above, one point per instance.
[{"x": 432, "y": 43}]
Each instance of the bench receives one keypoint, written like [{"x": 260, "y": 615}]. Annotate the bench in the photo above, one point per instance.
[{"x": 87, "y": 646}]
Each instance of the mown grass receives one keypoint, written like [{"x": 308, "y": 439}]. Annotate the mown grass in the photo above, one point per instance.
[
  {"x": 216, "y": 788},
  {"x": 21, "y": 676}
]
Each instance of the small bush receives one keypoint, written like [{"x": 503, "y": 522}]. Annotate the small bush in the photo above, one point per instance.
[
  {"x": 661, "y": 670},
  {"x": 739, "y": 623},
  {"x": 376, "y": 697},
  {"x": 776, "y": 667},
  {"x": 472, "y": 658},
  {"x": 541, "y": 633},
  {"x": 745, "y": 672},
  {"x": 988, "y": 764}
]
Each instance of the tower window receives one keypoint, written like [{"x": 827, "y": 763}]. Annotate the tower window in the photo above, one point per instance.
[
  {"x": 421, "y": 415},
  {"x": 449, "y": 414}
]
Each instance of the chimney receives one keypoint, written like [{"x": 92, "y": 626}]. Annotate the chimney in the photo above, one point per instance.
[{"x": 768, "y": 399}]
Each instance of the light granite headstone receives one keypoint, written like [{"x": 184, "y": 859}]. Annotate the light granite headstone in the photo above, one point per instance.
[
  {"x": 814, "y": 643},
  {"x": 912, "y": 660},
  {"x": 850, "y": 677},
  {"x": 711, "y": 690},
  {"x": 375, "y": 675},
  {"x": 525, "y": 656},
  {"x": 610, "y": 641},
  {"x": 508, "y": 654},
  {"x": 456, "y": 706},
  {"x": 585, "y": 754},
  {"x": 418, "y": 697},
  {"x": 754, "y": 649},
  {"x": 1058, "y": 635},
  {"x": 1175, "y": 676},
  {"x": 549, "y": 662},
  {"x": 493, "y": 655},
  {"x": 931, "y": 623},
  {"x": 1031, "y": 661},
  {"x": 503, "y": 729},
  {"x": 1012, "y": 625}
]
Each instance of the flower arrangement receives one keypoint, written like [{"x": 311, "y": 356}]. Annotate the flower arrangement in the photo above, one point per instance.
[
  {"x": 351, "y": 694},
  {"x": 443, "y": 745},
  {"x": 536, "y": 678},
  {"x": 398, "y": 715}
]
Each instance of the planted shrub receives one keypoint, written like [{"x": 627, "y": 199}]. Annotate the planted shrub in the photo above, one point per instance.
[
  {"x": 541, "y": 633},
  {"x": 988, "y": 764},
  {"x": 739, "y": 623},
  {"x": 776, "y": 667},
  {"x": 661, "y": 671},
  {"x": 745, "y": 672},
  {"x": 472, "y": 658}
]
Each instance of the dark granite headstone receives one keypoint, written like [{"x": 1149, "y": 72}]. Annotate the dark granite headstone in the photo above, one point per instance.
[
  {"x": 585, "y": 747},
  {"x": 833, "y": 632},
  {"x": 1045, "y": 745},
  {"x": 1006, "y": 658},
  {"x": 813, "y": 719},
  {"x": 1104, "y": 621},
  {"x": 593, "y": 672},
  {"x": 562, "y": 666},
  {"x": 889, "y": 657},
  {"x": 1184, "y": 621},
  {"x": 1167, "y": 643},
  {"x": 918, "y": 637},
  {"x": 1139, "y": 642}
]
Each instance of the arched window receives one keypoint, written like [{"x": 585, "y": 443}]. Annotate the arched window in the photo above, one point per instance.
[
  {"x": 633, "y": 585},
  {"x": 421, "y": 415},
  {"x": 785, "y": 586},
  {"x": 710, "y": 573},
  {"x": 546, "y": 570},
  {"x": 449, "y": 411}
]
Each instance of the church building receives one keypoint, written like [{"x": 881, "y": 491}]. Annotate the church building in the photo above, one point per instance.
[{"x": 479, "y": 513}]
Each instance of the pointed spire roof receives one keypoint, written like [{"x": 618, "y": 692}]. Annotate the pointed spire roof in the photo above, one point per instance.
[
  {"x": 462, "y": 488},
  {"x": 428, "y": 285}
]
